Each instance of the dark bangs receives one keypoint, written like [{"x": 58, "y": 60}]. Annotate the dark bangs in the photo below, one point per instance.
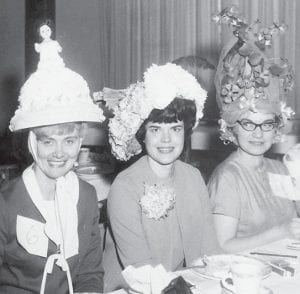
[
  {"x": 164, "y": 116},
  {"x": 178, "y": 110}
]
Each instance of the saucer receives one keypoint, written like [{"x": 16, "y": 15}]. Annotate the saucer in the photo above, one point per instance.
[
  {"x": 262, "y": 290},
  {"x": 218, "y": 266}
]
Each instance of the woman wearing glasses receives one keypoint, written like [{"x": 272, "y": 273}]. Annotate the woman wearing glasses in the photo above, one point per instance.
[{"x": 251, "y": 90}]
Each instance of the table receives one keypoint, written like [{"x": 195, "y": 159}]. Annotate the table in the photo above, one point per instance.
[{"x": 277, "y": 283}]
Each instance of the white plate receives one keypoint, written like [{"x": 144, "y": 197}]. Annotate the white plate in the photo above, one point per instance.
[
  {"x": 218, "y": 266},
  {"x": 262, "y": 290}
]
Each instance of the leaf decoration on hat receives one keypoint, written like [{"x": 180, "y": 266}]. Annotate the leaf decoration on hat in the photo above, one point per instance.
[
  {"x": 245, "y": 71},
  {"x": 265, "y": 35},
  {"x": 231, "y": 16}
]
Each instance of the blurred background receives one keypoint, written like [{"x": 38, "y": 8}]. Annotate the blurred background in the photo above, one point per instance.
[{"x": 112, "y": 42}]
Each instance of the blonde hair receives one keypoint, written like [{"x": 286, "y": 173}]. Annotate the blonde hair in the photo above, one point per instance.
[{"x": 60, "y": 129}]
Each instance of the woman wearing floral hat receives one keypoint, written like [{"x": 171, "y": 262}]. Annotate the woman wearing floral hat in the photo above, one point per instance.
[
  {"x": 249, "y": 209},
  {"x": 158, "y": 207},
  {"x": 49, "y": 235}
]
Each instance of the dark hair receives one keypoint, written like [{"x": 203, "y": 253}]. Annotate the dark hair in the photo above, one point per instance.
[
  {"x": 204, "y": 72},
  {"x": 190, "y": 61},
  {"x": 178, "y": 110}
]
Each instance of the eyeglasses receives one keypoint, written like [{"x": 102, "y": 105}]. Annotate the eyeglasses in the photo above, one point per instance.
[{"x": 250, "y": 126}]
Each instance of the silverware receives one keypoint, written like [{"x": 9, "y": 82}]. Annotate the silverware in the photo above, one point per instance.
[
  {"x": 274, "y": 254},
  {"x": 285, "y": 271}
]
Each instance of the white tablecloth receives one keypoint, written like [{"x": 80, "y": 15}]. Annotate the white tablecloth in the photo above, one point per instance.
[{"x": 275, "y": 282}]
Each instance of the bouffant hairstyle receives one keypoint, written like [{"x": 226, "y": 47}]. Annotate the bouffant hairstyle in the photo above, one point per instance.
[{"x": 178, "y": 110}]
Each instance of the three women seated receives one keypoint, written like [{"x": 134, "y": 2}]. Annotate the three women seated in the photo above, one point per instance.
[{"x": 159, "y": 208}]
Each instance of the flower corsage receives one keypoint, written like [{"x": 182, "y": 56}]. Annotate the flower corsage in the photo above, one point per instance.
[{"x": 157, "y": 201}]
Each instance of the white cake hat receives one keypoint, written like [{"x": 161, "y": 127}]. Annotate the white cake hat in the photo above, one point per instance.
[{"x": 54, "y": 94}]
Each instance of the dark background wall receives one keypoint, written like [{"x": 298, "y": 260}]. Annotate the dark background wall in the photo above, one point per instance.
[
  {"x": 78, "y": 27},
  {"x": 12, "y": 56}
]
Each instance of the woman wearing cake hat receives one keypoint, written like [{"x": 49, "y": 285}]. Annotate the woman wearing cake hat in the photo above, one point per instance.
[
  {"x": 249, "y": 209},
  {"x": 158, "y": 207},
  {"x": 49, "y": 235}
]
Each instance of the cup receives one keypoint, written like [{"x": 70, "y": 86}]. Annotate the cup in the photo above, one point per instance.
[
  {"x": 246, "y": 279},
  {"x": 83, "y": 155}
]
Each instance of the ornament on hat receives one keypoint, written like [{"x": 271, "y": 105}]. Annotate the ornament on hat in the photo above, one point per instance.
[
  {"x": 48, "y": 49},
  {"x": 247, "y": 78}
]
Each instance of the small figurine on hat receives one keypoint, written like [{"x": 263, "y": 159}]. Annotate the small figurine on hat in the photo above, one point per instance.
[{"x": 48, "y": 49}]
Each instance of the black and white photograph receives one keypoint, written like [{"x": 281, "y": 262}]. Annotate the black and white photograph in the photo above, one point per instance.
[{"x": 149, "y": 147}]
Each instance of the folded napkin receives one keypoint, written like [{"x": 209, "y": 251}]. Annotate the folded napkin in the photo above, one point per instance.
[
  {"x": 284, "y": 186},
  {"x": 147, "y": 279},
  {"x": 292, "y": 161}
]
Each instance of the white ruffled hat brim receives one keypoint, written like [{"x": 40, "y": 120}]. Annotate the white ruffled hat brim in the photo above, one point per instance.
[{"x": 56, "y": 115}]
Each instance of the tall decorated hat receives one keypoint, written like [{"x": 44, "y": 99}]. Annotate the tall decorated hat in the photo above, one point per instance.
[
  {"x": 54, "y": 94},
  {"x": 247, "y": 78}
]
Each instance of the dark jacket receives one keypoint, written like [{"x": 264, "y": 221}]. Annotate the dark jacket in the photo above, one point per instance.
[{"x": 21, "y": 272}]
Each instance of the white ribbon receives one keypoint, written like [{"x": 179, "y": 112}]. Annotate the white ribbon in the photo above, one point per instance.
[{"x": 49, "y": 268}]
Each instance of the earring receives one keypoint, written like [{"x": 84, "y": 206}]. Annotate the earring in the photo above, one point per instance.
[{"x": 279, "y": 137}]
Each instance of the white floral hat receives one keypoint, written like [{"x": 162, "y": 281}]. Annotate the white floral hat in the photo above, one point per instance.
[
  {"x": 54, "y": 94},
  {"x": 160, "y": 86}
]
